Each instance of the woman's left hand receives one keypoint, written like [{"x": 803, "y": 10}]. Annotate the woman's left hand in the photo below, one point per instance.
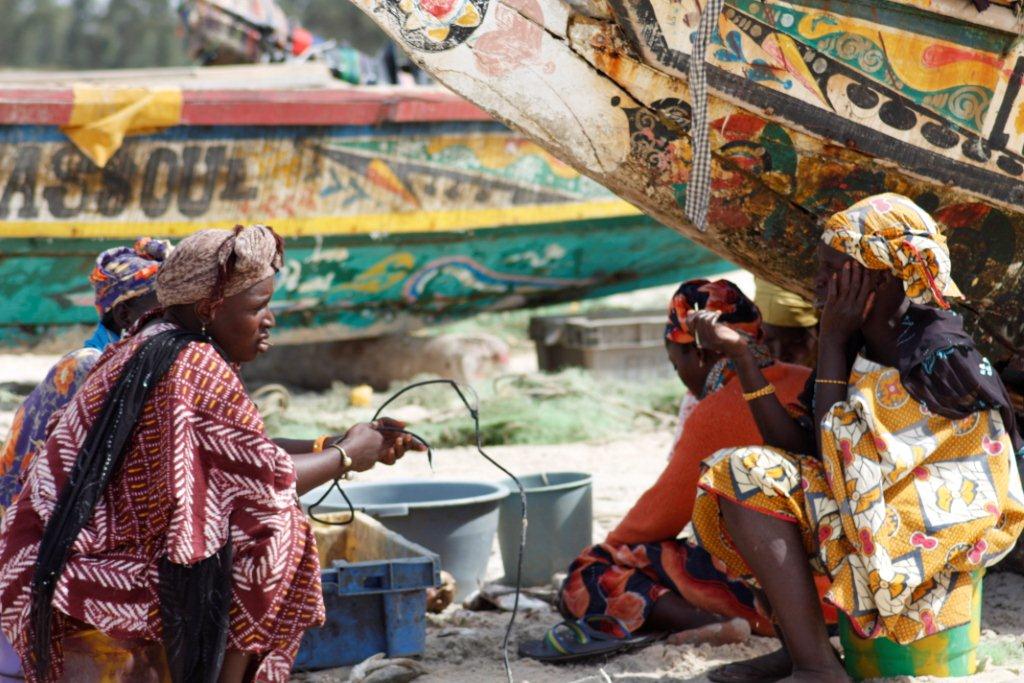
[
  {"x": 396, "y": 443},
  {"x": 709, "y": 334}
]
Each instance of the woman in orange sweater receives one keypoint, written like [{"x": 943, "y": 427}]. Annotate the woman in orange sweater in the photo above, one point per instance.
[{"x": 643, "y": 574}]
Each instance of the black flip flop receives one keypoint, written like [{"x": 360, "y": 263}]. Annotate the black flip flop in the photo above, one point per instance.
[{"x": 574, "y": 641}]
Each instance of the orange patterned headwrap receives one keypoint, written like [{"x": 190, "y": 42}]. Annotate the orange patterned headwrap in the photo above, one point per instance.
[{"x": 738, "y": 312}]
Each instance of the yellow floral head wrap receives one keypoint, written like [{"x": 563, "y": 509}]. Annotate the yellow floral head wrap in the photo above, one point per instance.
[{"x": 890, "y": 232}]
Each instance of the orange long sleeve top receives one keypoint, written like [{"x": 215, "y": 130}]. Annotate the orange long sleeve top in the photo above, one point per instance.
[{"x": 722, "y": 420}]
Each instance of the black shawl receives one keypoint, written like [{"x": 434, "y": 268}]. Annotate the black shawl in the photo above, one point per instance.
[
  {"x": 940, "y": 366},
  {"x": 194, "y": 600}
]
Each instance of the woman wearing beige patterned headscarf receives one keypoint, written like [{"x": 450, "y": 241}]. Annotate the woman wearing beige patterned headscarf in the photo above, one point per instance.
[{"x": 179, "y": 494}]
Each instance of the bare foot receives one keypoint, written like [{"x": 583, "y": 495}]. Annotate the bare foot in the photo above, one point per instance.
[
  {"x": 773, "y": 666},
  {"x": 723, "y": 633},
  {"x": 836, "y": 675}
]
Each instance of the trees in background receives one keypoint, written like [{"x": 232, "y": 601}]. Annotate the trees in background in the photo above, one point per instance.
[{"x": 115, "y": 34}]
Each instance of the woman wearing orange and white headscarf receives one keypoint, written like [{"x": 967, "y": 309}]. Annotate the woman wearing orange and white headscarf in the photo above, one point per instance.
[
  {"x": 643, "y": 574},
  {"x": 907, "y": 482}
]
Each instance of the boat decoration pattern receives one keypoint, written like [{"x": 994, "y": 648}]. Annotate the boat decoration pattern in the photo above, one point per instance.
[{"x": 814, "y": 104}]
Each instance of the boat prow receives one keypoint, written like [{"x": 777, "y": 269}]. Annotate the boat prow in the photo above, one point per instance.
[{"x": 811, "y": 106}]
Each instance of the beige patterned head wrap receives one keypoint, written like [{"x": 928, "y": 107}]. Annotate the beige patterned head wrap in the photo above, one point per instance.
[
  {"x": 890, "y": 232},
  {"x": 215, "y": 264}
]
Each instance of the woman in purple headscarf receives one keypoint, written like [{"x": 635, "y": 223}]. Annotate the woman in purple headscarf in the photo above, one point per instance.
[{"x": 124, "y": 280}]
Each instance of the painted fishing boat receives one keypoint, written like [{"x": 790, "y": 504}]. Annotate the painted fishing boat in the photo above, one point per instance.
[
  {"x": 809, "y": 105},
  {"x": 401, "y": 206}
]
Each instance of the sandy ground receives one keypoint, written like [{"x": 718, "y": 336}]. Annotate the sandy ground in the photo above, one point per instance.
[{"x": 466, "y": 646}]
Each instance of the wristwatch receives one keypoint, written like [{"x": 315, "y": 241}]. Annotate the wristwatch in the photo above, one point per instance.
[{"x": 346, "y": 461}]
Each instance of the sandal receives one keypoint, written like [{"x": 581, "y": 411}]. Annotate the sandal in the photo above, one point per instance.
[{"x": 574, "y": 641}]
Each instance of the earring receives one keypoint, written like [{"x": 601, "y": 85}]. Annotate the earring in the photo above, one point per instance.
[{"x": 203, "y": 329}]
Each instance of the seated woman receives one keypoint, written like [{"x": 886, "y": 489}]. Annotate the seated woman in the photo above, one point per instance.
[
  {"x": 642, "y": 574},
  {"x": 909, "y": 482},
  {"x": 159, "y": 534}
]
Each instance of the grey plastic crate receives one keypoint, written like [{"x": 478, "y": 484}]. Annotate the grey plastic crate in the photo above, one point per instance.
[{"x": 623, "y": 344}]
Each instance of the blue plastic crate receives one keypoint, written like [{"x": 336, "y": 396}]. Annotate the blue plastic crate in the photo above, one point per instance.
[{"x": 375, "y": 595}]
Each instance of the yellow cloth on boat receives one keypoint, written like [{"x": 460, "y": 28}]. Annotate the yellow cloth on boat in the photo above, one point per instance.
[
  {"x": 101, "y": 117},
  {"x": 903, "y": 506}
]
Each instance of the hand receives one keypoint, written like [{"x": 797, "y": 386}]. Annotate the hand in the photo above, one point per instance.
[
  {"x": 848, "y": 304},
  {"x": 380, "y": 441},
  {"x": 712, "y": 335}
]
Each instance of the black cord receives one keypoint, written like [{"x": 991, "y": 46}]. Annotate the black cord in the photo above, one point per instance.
[{"x": 474, "y": 412}]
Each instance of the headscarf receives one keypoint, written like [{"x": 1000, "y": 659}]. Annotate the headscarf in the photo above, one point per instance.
[
  {"x": 124, "y": 273},
  {"x": 890, "y": 232},
  {"x": 783, "y": 308},
  {"x": 938, "y": 362},
  {"x": 737, "y": 312},
  {"x": 215, "y": 264}
]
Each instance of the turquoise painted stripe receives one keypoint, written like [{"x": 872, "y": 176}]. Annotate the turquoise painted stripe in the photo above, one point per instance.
[{"x": 910, "y": 19}]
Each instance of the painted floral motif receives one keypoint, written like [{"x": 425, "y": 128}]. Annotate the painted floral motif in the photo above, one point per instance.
[{"x": 435, "y": 25}]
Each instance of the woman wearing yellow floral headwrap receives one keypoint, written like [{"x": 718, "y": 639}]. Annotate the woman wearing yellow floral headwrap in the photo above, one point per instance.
[{"x": 908, "y": 482}]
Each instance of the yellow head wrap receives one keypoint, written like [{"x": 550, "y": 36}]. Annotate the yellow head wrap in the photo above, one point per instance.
[
  {"x": 783, "y": 308},
  {"x": 890, "y": 232}
]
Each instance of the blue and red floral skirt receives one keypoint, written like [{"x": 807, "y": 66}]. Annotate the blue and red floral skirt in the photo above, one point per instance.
[{"x": 625, "y": 581}]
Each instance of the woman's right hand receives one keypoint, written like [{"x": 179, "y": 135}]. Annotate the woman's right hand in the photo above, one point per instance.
[
  {"x": 381, "y": 441},
  {"x": 848, "y": 304},
  {"x": 712, "y": 335}
]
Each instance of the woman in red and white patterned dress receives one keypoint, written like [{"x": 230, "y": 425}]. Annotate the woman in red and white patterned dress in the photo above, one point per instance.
[{"x": 159, "y": 533}]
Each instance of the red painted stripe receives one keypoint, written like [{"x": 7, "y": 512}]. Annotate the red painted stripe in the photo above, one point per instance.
[
  {"x": 341, "y": 107},
  {"x": 34, "y": 106}
]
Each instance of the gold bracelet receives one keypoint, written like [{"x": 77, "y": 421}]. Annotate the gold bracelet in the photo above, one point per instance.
[
  {"x": 318, "y": 445},
  {"x": 830, "y": 381},
  {"x": 346, "y": 461},
  {"x": 766, "y": 390}
]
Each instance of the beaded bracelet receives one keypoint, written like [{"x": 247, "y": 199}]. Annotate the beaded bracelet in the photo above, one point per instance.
[
  {"x": 766, "y": 390},
  {"x": 830, "y": 381}
]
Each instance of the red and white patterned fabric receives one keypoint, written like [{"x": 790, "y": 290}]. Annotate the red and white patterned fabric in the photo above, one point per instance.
[{"x": 199, "y": 468}]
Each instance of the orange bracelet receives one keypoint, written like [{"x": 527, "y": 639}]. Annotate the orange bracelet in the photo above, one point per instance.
[{"x": 318, "y": 445}]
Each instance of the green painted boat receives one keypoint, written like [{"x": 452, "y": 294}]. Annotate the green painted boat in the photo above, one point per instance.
[
  {"x": 811, "y": 105},
  {"x": 401, "y": 207}
]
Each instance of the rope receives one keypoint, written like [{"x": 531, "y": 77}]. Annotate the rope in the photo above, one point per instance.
[
  {"x": 474, "y": 413},
  {"x": 698, "y": 189}
]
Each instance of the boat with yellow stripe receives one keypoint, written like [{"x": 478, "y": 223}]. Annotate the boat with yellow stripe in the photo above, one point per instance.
[{"x": 401, "y": 206}]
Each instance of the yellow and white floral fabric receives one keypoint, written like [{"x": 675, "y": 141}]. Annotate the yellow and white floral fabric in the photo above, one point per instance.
[
  {"x": 903, "y": 506},
  {"x": 890, "y": 232}
]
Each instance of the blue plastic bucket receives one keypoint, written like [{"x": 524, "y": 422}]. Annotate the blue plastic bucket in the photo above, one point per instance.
[
  {"x": 560, "y": 510},
  {"x": 455, "y": 519}
]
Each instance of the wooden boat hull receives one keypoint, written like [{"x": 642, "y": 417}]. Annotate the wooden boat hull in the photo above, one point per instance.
[
  {"x": 813, "y": 104},
  {"x": 393, "y": 218}
]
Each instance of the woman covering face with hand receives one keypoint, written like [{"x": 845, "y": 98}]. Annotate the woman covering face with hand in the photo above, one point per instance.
[
  {"x": 906, "y": 481},
  {"x": 159, "y": 532}
]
